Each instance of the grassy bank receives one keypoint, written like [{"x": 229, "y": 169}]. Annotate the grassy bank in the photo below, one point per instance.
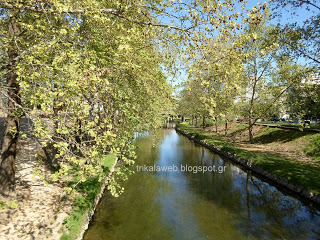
[
  {"x": 83, "y": 202},
  {"x": 296, "y": 170}
]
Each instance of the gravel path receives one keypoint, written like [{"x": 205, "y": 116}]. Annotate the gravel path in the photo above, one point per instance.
[{"x": 39, "y": 214}]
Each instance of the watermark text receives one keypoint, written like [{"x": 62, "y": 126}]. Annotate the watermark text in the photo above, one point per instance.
[{"x": 181, "y": 168}]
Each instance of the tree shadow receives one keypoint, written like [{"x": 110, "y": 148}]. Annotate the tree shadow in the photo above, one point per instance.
[
  {"x": 300, "y": 173},
  {"x": 280, "y": 135},
  {"x": 235, "y": 133},
  {"x": 297, "y": 172}
]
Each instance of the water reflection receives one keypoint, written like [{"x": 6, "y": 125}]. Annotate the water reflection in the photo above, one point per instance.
[{"x": 186, "y": 205}]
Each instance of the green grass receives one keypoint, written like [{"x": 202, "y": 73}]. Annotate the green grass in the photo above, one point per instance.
[
  {"x": 83, "y": 202},
  {"x": 269, "y": 135},
  {"x": 297, "y": 172},
  {"x": 313, "y": 149}
]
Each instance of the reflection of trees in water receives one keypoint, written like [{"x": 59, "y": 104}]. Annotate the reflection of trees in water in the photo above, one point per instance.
[
  {"x": 135, "y": 214},
  {"x": 281, "y": 215},
  {"x": 212, "y": 186},
  {"x": 248, "y": 199},
  {"x": 147, "y": 148},
  {"x": 229, "y": 205},
  {"x": 262, "y": 211}
]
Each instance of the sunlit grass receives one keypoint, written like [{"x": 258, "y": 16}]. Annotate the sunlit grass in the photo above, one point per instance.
[{"x": 83, "y": 202}]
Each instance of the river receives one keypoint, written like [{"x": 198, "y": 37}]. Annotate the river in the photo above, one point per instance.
[{"x": 183, "y": 202}]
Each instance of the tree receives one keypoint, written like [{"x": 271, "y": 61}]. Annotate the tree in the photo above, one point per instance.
[
  {"x": 9, "y": 146},
  {"x": 190, "y": 103},
  {"x": 94, "y": 68},
  {"x": 269, "y": 73},
  {"x": 97, "y": 85},
  {"x": 303, "y": 99},
  {"x": 225, "y": 76}
]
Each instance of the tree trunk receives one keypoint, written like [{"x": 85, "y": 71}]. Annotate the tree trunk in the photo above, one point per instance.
[
  {"x": 252, "y": 101},
  {"x": 250, "y": 130},
  {"x": 216, "y": 123},
  {"x": 196, "y": 120},
  {"x": 251, "y": 123},
  {"x": 204, "y": 121},
  {"x": 226, "y": 126},
  {"x": 10, "y": 140},
  {"x": 192, "y": 120}
]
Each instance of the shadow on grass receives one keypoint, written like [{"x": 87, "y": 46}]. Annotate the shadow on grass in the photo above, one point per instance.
[
  {"x": 299, "y": 173},
  {"x": 241, "y": 130},
  {"x": 84, "y": 201},
  {"x": 280, "y": 135}
]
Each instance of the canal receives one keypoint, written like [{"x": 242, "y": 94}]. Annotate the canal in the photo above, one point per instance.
[{"x": 182, "y": 201}]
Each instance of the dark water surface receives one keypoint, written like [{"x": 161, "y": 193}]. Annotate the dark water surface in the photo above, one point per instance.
[{"x": 230, "y": 204}]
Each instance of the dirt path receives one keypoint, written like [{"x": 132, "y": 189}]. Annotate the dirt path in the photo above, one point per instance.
[{"x": 39, "y": 214}]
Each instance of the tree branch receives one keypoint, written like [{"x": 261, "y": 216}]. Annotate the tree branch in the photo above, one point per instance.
[
  {"x": 310, "y": 3},
  {"x": 112, "y": 11},
  {"x": 36, "y": 9},
  {"x": 308, "y": 56}
]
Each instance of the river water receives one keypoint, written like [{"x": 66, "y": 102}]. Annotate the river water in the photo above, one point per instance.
[{"x": 181, "y": 202}]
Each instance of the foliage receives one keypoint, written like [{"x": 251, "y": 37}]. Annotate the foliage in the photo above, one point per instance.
[
  {"x": 89, "y": 76},
  {"x": 269, "y": 72},
  {"x": 303, "y": 99},
  {"x": 247, "y": 75},
  {"x": 13, "y": 204},
  {"x": 91, "y": 73}
]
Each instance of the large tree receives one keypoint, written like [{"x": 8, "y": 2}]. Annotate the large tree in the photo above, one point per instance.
[
  {"x": 94, "y": 68},
  {"x": 269, "y": 72}
]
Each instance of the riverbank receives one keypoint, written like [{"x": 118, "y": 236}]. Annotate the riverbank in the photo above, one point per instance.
[
  {"x": 299, "y": 175},
  {"x": 84, "y": 203}
]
